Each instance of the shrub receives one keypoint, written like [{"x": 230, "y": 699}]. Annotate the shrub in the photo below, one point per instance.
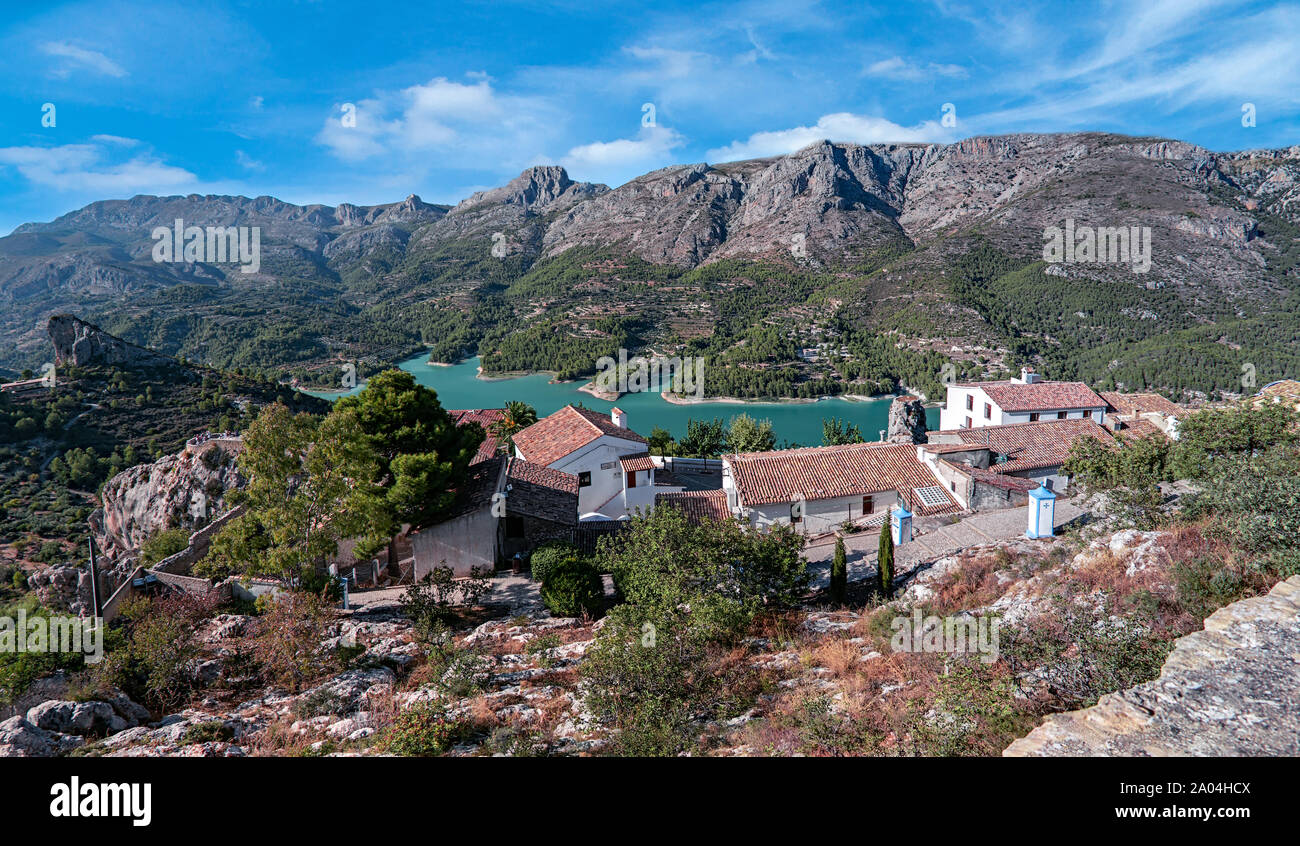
[
  {"x": 212, "y": 731},
  {"x": 550, "y": 555},
  {"x": 421, "y": 731},
  {"x": 574, "y": 589},
  {"x": 162, "y": 544},
  {"x": 429, "y": 601},
  {"x": 288, "y": 644}
]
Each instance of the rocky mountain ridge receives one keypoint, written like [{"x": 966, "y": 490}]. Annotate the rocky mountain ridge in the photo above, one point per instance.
[{"x": 892, "y": 222}]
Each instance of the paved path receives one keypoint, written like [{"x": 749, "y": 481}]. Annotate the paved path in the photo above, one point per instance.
[{"x": 933, "y": 538}]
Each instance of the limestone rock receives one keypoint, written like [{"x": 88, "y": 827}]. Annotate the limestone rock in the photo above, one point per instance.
[
  {"x": 906, "y": 421},
  {"x": 1232, "y": 689}
]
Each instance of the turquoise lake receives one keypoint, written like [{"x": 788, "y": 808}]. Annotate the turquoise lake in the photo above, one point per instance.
[{"x": 458, "y": 386}]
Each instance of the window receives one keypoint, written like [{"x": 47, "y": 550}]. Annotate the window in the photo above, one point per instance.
[
  {"x": 514, "y": 526},
  {"x": 868, "y": 505},
  {"x": 1033, "y": 417},
  {"x": 968, "y": 423},
  {"x": 1087, "y": 413},
  {"x": 1061, "y": 415},
  {"x": 988, "y": 411},
  {"x": 970, "y": 402},
  {"x": 584, "y": 479}
]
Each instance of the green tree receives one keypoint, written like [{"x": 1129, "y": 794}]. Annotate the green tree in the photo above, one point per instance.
[
  {"x": 885, "y": 562},
  {"x": 836, "y": 432},
  {"x": 518, "y": 416},
  {"x": 661, "y": 441},
  {"x": 839, "y": 571},
  {"x": 307, "y": 489},
  {"x": 745, "y": 434},
  {"x": 420, "y": 457},
  {"x": 704, "y": 438}
]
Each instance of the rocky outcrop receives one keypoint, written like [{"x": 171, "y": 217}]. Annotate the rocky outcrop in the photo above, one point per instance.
[
  {"x": 1232, "y": 689},
  {"x": 906, "y": 421},
  {"x": 82, "y": 344},
  {"x": 185, "y": 491}
]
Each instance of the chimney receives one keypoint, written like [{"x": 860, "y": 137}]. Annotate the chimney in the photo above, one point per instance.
[
  {"x": 1028, "y": 376},
  {"x": 619, "y": 416}
]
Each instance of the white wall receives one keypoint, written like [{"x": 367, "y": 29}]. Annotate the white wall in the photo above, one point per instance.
[
  {"x": 820, "y": 515},
  {"x": 605, "y": 483}
]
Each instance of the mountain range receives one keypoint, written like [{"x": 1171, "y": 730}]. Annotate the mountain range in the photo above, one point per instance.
[{"x": 837, "y": 268}]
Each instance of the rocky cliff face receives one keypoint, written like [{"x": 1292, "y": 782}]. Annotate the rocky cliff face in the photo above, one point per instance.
[
  {"x": 79, "y": 343},
  {"x": 183, "y": 491},
  {"x": 906, "y": 421},
  {"x": 1232, "y": 689}
]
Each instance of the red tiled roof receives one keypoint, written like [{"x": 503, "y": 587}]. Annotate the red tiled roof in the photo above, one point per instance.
[
  {"x": 1141, "y": 404},
  {"x": 565, "y": 431},
  {"x": 698, "y": 505},
  {"x": 994, "y": 478},
  {"x": 1139, "y": 429},
  {"x": 1039, "y": 396},
  {"x": 636, "y": 461},
  {"x": 484, "y": 417},
  {"x": 1030, "y": 446},
  {"x": 826, "y": 472}
]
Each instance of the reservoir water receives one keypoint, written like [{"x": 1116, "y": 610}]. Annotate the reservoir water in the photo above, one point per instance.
[{"x": 795, "y": 423}]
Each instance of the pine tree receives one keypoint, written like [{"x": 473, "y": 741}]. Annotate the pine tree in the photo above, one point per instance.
[
  {"x": 839, "y": 572},
  {"x": 885, "y": 562}
]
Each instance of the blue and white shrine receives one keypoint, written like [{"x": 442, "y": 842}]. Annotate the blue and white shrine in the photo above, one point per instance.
[
  {"x": 900, "y": 525},
  {"x": 1042, "y": 513}
]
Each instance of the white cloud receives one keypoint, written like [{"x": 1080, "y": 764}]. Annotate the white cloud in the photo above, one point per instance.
[
  {"x": 841, "y": 126},
  {"x": 466, "y": 124},
  {"x": 615, "y": 162},
  {"x": 247, "y": 162},
  {"x": 79, "y": 56},
  {"x": 899, "y": 68},
  {"x": 83, "y": 168}
]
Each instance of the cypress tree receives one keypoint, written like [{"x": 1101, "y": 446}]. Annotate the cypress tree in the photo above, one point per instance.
[
  {"x": 839, "y": 572},
  {"x": 885, "y": 562}
]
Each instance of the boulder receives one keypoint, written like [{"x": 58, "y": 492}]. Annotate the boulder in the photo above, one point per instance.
[
  {"x": 81, "y": 718},
  {"x": 906, "y": 421}
]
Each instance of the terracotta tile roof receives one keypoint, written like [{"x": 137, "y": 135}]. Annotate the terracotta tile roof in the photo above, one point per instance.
[
  {"x": 698, "y": 505},
  {"x": 826, "y": 472},
  {"x": 1039, "y": 396},
  {"x": 565, "y": 431},
  {"x": 636, "y": 461},
  {"x": 539, "y": 491},
  {"x": 1140, "y": 429},
  {"x": 1285, "y": 390},
  {"x": 994, "y": 478},
  {"x": 1030, "y": 446},
  {"x": 1141, "y": 404},
  {"x": 484, "y": 417}
]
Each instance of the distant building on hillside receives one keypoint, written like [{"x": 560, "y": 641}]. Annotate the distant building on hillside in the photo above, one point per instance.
[{"x": 1028, "y": 399}]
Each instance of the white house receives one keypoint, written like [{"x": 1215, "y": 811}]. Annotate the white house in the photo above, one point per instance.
[
  {"x": 615, "y": 473},
  {"x": 820, "y": 488},
  {"x": 1028, "y": 399}
]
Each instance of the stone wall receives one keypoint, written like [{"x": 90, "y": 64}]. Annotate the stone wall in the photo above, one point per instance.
[{"x": 1232, "y": 689}]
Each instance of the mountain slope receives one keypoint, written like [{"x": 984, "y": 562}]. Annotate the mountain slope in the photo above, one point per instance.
[{"x": 896, "y": 257}]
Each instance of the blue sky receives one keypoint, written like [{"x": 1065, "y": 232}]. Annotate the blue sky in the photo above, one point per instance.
[{"x": 451, "y": 97}]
